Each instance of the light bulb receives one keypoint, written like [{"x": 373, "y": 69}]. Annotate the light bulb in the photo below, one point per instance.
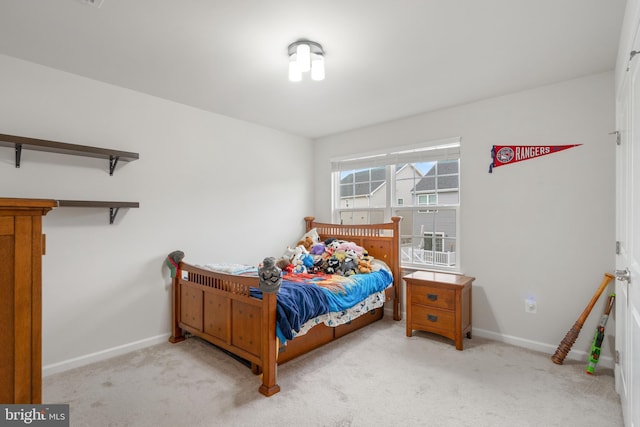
[
  {"x": 295, "y": 75},
  {"x": 303, "y": 52},
  {"x": 317, "y": 67}
]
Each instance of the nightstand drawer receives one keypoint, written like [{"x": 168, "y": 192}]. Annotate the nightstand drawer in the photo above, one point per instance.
[
  {"x": 433, "y": 297},
  {"x": 428, "y": 318}
]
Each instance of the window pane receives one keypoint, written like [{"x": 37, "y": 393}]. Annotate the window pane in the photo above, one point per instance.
[
  {"x": 428, "y": 183},
  {"x": 363, "y": 188},
  {"x": 428, "y": 236},
  {"x": 361, "y": 217},
  {"x": 407, "y": 178}
]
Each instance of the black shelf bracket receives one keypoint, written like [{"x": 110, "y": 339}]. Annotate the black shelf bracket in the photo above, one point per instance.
[
  {"x": 18, "y": 154},
  {"x": 113, "y": 161},
  {"x": 113, "y": 212}
]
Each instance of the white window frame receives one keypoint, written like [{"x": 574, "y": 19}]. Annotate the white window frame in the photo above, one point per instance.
[{"x": 447, "y": 149}]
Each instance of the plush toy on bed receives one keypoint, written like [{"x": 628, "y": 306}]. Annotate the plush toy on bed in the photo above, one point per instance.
[
  {"x": 307, "y": 243},
  {"x": 319, "y": 266},
  {"x": 332, "y": 243},
  {"x": 344, "y": 246},
  {"x": 298, "y": 264},
  {"x": 307, "y": 260},
  {"x": 364, "y": 266},
  {"x": 350, "y": 264},
  {"x": 292, "y": 252},
  {"x": 284, "y": 264},
  {"x": 317, "y": 249},
  {"x": 333, "y": 266}
]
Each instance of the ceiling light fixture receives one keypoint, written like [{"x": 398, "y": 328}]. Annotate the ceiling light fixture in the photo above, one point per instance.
[{"x": 304, "y": 56}]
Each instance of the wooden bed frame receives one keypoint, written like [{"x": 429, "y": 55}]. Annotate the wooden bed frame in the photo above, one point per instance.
[{"x": 218, "y": 307}]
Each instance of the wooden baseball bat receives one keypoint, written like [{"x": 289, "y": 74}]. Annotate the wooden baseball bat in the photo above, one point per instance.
[{"x": 565, "y": 345}]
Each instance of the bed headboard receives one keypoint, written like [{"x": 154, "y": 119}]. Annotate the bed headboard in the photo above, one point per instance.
[{"x": 381, "y": 241}]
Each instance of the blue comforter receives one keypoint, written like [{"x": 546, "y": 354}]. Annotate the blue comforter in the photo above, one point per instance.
[{"x": 305, "y": 296}]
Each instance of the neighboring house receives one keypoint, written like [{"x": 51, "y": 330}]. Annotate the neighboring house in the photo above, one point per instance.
[
  {"x": 423, "y": 196},
  {"x": 363, "y": 188},
  {"x": 366, "y": 188},
  {"x": 439, "y": 187},
  {"x": 444, "y": 190}
]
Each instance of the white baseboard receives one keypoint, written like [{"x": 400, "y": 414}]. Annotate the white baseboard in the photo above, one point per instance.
[
  {"x": 577, "y": 355},
  {"x": 76, "y": 362},
  {"x": 54, "y": 368}
]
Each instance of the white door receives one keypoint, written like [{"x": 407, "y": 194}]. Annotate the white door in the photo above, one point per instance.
[{"x": 628, "y": 237}]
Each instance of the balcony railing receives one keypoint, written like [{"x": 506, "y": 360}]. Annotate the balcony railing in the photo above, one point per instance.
[{"x": 412, "y": 255}]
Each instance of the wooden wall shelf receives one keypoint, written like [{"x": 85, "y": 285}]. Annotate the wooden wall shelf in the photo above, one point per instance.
[
  {"x": 114, "y": 207},
  {"x": 21, "y": 142}
]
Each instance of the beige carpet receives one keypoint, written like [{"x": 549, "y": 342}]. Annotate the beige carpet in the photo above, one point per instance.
[{"x": 372, "y": 377}]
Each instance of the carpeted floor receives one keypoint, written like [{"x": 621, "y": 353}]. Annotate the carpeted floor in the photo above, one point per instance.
[{"x": 372, "y": 377}]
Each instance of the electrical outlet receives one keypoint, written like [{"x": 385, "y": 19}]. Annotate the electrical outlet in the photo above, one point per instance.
[{"x": 530, "y": 306}]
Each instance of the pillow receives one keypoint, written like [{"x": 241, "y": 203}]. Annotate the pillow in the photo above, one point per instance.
[
  {"x": 378, "y": 264},
  {"x": 313, "y": 233}
]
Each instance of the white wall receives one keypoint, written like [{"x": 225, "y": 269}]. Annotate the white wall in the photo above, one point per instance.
[
  {"x": 217, "y": 188},
  {"x": 542, "y": 228}
]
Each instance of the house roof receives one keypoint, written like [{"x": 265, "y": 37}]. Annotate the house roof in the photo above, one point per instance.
[
  {"x": 365, "y": 183},
  {"x": 447, "y": 179}
]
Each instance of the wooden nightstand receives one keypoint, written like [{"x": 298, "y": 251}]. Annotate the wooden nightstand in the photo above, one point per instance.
[{"x": 439, "y": 303}]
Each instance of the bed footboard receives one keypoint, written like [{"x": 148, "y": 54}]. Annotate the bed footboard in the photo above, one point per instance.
[{"x": 219, "y": 308}]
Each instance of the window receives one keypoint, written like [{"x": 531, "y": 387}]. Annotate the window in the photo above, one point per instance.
[
  {"x": 433, "y": 241},
  {"x": 424, "y": 183},
  {"x": 427, "y": 199}
]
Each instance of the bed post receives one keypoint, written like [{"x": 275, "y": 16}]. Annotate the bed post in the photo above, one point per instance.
[
  {"x": 397, "y": 271},
  {"x": 269, "y": 345},
  {"x": 309, "y": 222},
  {"x": 176, "y": 331}
]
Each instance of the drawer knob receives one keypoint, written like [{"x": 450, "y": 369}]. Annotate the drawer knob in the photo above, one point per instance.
[
  {"x": 432, "y": 297},
  {"x": 432, "y": 318}
]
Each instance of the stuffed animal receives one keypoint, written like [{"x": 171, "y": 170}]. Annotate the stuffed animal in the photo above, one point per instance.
[
  {"x": 332, "y": 243},
  {"x": 292, "y": 252},
  {"x": 307, "y": 243},
  {"x": 288, "y": 268},
  {"x": 364, "y": 266},
  {"x": 333, "y": 266},
  {"x": 350, "y": 264},
  {"x": 317, "y": 249},
  {"x": 340, "y": 256},
  {"x": 298, "y": 264},
  {"x": 283, "y": 262},
  {"x": 350, "y": 245},
  {"x": 307, "y": 260}
]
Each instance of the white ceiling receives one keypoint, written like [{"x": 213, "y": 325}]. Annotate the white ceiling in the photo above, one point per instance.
[{"x": 384, "y": 59}]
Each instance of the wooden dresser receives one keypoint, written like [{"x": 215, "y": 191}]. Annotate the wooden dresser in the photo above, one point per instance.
[
  {"x": 21, "y": 249},
  {"x": 439, "y": 303}
]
